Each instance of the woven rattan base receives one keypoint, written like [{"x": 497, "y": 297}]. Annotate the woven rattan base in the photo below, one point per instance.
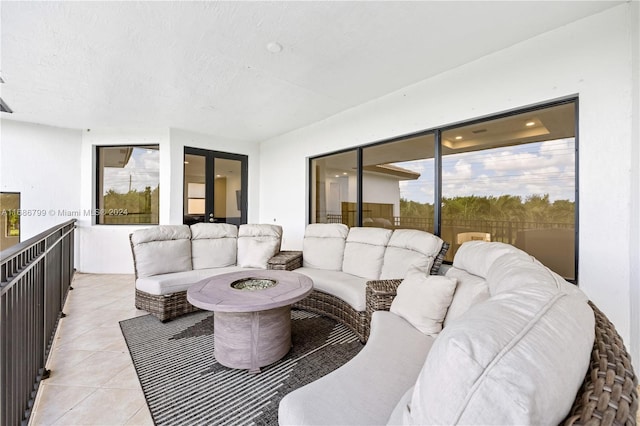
[
  {"x": 286, "y": 261},
  {"x": 609, "y": 394},
  {"x": 333, "y": 307},
  {"x": 380, "y": 294},
  {"x": 165, "y": 307}
]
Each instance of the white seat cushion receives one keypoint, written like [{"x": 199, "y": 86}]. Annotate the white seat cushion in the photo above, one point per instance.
[
  {"x": 323, "y": 245},
  {"x": 423, "y": 300},
  {"x": 517, "y": 358},
  {"x": 406, "y": 248},
  {"x": 213, "y": 245},
  {"x": 365, "y": 390},
  {"x": 161, "y": 249},
  {"x": 364, "y": 251},
  {"x": 179, "y": 281},
  {"x": 397, "y": 415},
  {"x": 257, "y": 244},
  {"x": 347, "y": 287}
]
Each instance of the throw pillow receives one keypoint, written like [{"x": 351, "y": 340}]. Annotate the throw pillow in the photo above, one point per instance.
[
  {"x": 423, "y": 300},
  {"x": 257, "y": 244}
]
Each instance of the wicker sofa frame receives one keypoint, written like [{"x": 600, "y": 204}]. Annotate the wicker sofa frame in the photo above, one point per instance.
[
  {"x": 609, "y": 392},
  {"x": 330, "y": 305},
  {"x": 165, "y": 306}
]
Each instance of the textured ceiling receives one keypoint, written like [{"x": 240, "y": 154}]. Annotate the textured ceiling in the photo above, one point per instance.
[{"x": 204, "y": 66}]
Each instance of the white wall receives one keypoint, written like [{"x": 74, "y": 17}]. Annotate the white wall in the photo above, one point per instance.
[
  {"x": 42, "y": 164},
  {"x": 591, "y": 58},
  {"x": 105, "y": 248},
  {"x": 54, "y": 171},
  {"x": 381, "y": 189},
  {"x": 634, "y": 251}
]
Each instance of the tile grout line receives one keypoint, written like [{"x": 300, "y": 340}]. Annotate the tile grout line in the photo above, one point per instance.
[{"x": 113, "y": 316}]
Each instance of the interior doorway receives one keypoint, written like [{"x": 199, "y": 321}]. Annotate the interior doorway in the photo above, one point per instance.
[
  {"x": 215, "y": 187},
  {"x": 9, "y": 219}
]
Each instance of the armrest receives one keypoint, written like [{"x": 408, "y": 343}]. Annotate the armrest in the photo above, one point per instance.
[
  {"x": 380, "y": 294},
  {"x": 286, "y": 260}
]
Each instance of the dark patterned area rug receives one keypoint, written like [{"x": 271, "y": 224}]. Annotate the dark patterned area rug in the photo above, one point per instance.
[{"x": 184, "y": 385}]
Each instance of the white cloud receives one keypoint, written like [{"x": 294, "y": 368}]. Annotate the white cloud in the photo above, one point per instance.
[
  {"x": 141, "y": 170},
  {"x": 524, "y": 170},
  {"x": 462, "y": 170}
]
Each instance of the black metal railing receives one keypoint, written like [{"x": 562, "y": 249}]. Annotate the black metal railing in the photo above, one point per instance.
[
  {"x": 35, "y": 277},
  {"x": 501, "y": 230}
]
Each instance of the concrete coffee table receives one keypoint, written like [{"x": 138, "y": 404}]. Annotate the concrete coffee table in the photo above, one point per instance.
[{"x": 252, "y": 314}]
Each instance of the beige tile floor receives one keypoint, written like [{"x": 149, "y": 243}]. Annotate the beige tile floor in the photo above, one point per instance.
[{"x": 93, "y": 381}]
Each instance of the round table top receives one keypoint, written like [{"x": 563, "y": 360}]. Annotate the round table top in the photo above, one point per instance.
[{"x": 216, "y": 293}]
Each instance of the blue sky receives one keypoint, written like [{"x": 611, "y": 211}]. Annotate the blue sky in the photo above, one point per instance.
[
  {"x": 531, "y": 169},
  {"x": 144, "y": 168}
]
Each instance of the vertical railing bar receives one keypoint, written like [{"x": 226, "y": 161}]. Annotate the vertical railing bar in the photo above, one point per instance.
[{"x": 34, "y": 278}]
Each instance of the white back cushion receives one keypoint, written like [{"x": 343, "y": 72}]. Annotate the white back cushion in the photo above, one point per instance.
[
  {"x": 517, "y": 358},
  {"x": 476, "y": 257},
  {"x": 323, "y": 245},
  {"x": 213, "y": 245},
  {"x": 406, "y": 248},
  {"x": 161, "y": 249},
  {"x": 512, "y": 271},
  {"x": 257, "y": 244},
  {"x": 471, "y": 289},
  {"x": 364, "y": 251}
]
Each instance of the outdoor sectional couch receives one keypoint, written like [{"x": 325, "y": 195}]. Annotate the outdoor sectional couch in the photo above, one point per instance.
[
  {"x": 342, "y": 260},
  {"x": 497, "y": 338},
  {"x": 168, "y": 259}
]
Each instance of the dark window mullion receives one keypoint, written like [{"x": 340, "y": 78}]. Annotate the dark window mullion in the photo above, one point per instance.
[
  {"x": 210, "y": 176},
  {"x": 359, "y": 189},
  {"x": 437, "y": 195}
]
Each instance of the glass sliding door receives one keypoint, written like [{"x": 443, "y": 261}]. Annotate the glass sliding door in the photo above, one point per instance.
[
  {"x": 513, "y": 180},
  {"x": 398, "y": 184},
  {"x": 215, "y": 187},
  {"x": 509, "y": 178},
  {"x": 334, "y": 191}
]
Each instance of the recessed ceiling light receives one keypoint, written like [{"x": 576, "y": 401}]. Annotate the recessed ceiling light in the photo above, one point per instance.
[
  {"x": 274, "y": 47},
  {"x": 337, "y": 175},
  {"x": 345, "y": 173},
  {"x": 530, "y": 123},
  {"x": 186, "y": 162},
  {"x": 458, "y": 138}
]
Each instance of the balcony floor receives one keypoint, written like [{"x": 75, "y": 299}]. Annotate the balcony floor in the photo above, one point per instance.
[{"x": 93, "y": 380}]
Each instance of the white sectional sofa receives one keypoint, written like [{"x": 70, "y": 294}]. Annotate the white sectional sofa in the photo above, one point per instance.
[
  {"x": 496, "y": 339},
  {"x": 169, "y": 258},
  {"x": 341, "y": 260}
]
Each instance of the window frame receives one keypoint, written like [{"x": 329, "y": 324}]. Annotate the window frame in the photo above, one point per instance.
[
  {"x": 97, "y": 184},
  {"x": 437, "y": 131}
]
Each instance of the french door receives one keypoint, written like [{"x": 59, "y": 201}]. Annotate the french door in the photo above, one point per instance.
[{"x": 215, "y": 187}]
